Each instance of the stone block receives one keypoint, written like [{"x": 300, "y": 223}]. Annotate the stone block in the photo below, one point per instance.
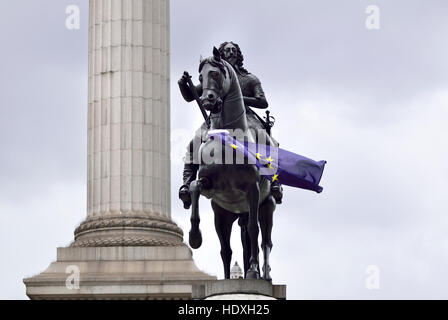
[
  {"x": 120, "y": 273},
  {"x": 239, "y": 289}
]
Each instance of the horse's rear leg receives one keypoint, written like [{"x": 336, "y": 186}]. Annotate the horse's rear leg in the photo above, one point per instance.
[
  {"x": 195, "y": 236},
  {"x": 245, "y": 240},
  {"x": 223, "y": 225},
  {"x": 254, "y": 198},
  {"x": 265, "y": 217}
]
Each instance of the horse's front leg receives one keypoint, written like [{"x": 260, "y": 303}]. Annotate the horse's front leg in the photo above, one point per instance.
[
  {"x": 254, "y": 197},
  {"x": 195, "y": 236}
]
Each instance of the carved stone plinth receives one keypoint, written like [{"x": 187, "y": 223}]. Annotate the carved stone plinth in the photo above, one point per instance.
[{"x": 119, "y": 273}]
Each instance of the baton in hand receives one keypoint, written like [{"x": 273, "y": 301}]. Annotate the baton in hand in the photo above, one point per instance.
[{"x": 196, "y": 96}]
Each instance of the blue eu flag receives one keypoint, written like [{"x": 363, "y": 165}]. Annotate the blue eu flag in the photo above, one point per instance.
[{"x": 277, "y": 164}]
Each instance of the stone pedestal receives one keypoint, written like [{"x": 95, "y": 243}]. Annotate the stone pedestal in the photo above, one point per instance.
[
  {"x": 128, "y": 247},
  {"x": 239, "y": 289},
  {"x": 119, "y": 273}
]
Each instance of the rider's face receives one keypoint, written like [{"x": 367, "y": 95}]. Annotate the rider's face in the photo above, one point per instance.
[{"x": 230, "y": 53}]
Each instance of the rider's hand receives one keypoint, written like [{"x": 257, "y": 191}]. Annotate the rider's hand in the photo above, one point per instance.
[{"x": 184, "y": 79}]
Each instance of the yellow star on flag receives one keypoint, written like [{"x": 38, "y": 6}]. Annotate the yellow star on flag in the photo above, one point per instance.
[
  {"x": 275, "y": 177},
  {"x": 269, "y": 159},
  {"x": 258, "y": 156},
  {"x": 234, "y": 146}
]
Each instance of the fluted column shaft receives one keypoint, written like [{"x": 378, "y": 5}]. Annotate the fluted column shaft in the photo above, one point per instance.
[
  {"x": 128, "y": 184},
  {"x": 128, "y": 108}
]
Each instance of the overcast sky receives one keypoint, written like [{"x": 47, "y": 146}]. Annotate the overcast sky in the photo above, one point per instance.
[{"x": 373, "y": 103}]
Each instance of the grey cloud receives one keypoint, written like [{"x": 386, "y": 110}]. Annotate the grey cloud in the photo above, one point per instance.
[{"x": 366, "y": 101}]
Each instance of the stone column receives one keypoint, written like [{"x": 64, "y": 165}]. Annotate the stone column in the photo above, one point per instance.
[
  {"x": 128, "y": 247},
  {"x": 128, "y": 167}
]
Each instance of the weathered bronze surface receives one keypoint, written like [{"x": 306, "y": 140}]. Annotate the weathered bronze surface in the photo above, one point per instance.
[{"x": 226, "y": 90}]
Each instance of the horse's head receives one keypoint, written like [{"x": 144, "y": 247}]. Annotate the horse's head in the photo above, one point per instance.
[{"x": 214, "y": 75}]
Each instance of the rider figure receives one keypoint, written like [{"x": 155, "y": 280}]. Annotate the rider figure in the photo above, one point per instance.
[{"x": 253, "y": 96}]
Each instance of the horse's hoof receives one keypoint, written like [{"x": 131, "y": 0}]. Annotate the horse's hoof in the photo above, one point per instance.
[
  {"x": 267, "y": 275},
  {"x": 195, "y": 239},
  {"x": 252, "y": 274}
]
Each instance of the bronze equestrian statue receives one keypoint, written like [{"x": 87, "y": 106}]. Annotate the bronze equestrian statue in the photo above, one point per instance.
[
  {"x": 235, "y": 189},
  {"x": 238, "y": 190},
  {"x": 253, "y": 95}
]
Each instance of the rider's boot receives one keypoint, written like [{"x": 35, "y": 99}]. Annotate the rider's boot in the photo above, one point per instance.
[
  {"x": 276, "y": 187},
  {"x": 190, "y": 171},
  {"x": 277, "y": 191}
]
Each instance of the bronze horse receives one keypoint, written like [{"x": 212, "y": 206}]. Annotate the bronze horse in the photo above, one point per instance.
[{"x": 236, "y": 190}]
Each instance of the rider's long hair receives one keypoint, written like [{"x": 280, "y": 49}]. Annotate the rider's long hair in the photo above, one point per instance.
[{"x": 239, "y": 56}]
